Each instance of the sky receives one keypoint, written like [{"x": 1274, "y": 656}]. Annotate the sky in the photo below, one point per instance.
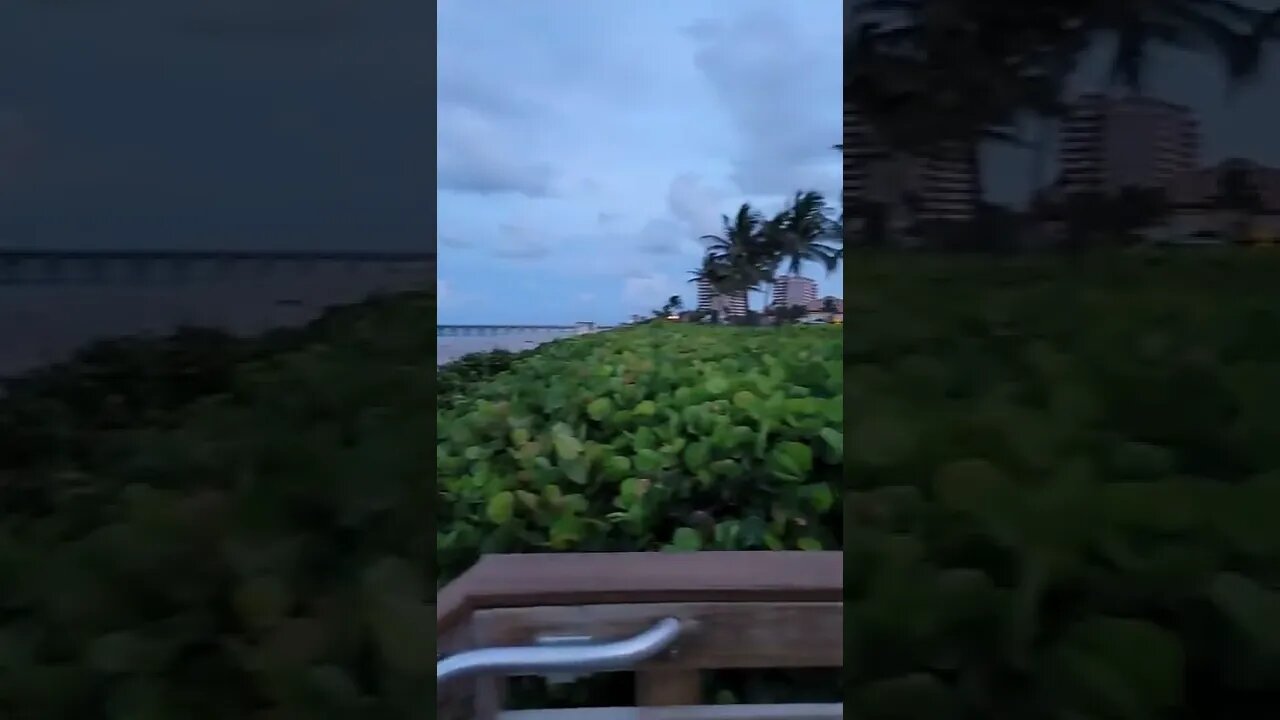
[
  {"x": 262, "y": 124},
  {"x": 585, "y": 146}
]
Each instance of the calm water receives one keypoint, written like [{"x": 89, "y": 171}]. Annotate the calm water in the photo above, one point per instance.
[
  {"x": 452, "y": 348},
  {"x": 41, "y": 325}
]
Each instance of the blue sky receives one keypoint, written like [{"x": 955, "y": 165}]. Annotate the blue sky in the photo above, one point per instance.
[{"x": 584, "y": 146}]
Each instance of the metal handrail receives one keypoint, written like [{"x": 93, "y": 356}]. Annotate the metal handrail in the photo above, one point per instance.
[{"x": 574, "y": 659}]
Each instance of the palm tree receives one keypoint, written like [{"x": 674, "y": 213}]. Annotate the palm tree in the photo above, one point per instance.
[
  {"x": 931, "y": 73},
  {"x": 738, "y": 258},
  {"x": 797, "y": 234},
  {"x": 1039, "y": 36},
  {"x": 723, "y": 279},
  {"x": 932, "y": 84}
]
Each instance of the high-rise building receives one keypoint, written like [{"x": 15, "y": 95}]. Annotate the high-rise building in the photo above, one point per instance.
[
  {"x": 709, "y": 299},
  {"x": 791, "y": 290},
  {"x": 938, "y": 187},
  {"x": 1108, "y": 143}
]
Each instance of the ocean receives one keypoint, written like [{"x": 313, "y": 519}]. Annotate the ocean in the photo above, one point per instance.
[{"x": 449, "y": 349}]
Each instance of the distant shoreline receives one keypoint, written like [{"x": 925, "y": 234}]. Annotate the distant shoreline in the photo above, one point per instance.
[{"x": 449, "y": 349}]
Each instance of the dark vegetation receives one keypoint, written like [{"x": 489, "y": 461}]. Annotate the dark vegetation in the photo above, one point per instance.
[
  {"x": 1062, "y": 479},
  {"x": 241, "y": 535}
]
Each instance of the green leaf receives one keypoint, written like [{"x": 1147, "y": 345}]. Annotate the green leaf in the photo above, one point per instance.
[
  {"x": 501, "y": 508},
  {"x": 405, "y": 634},
  {"x": 262, "y": 602},
  {"x": 686, "y": 539},
  {"x": 808, "y": 543},
  {"x": 1251, "y": 608},
  {"x": 1117, "y": 667},
  {"x": 599, "y": 409},
  {"x": 394, "y": 576},
  {"x": 620, "y": 464},
  {"x": 577, "y": 469},
  {"x": 528, "y": 499},
  {"x": 646, "y": 408},
  {"x": 115, "y": 653},
  {"x": 791, "y": 459},
  {"x": 968, "y": 485},
  {"x": 833, "y": 438},
  {"x": 648, "y": 461},
  {"x": 717, "y": 385},
  {"x": 696, "y": 455},
  {"x": 335, "y": 687},
  {"x": 917, "y": 696},
  {"x": 821, "y": 496},
  {"x": 882, "y": 441},
  {"x": 567, "y": 446},
  {"x": 565, "y": 531}
]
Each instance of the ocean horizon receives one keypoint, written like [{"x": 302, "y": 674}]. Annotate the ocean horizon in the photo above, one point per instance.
[{"x": 449, "y": 349}]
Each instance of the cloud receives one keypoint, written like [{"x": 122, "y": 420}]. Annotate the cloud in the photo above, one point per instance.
[
  {"x": 641, "y": 290},
  {"x": 693, "y": 209},
  {"x": 781, "y": 90},
  {"x": 517, "y": 242},
  {"x": 479, "y": 154},
  {"x": 660, "y": 236},
  {"x": 19, "y": 146},
  {"x": 695, "y": 204},
  {"x": 607, "y": 153},
  {"x": 453, "y": 241},
  {"x": 307, "y": 141},
  {"x": 274, "y": 18}
]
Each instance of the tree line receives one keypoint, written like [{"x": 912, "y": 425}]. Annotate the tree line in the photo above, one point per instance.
[{"x": 752, "y": 250}]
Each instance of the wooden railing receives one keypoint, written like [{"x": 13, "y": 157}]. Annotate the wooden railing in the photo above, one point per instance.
[{"x": 736, "y": 610}]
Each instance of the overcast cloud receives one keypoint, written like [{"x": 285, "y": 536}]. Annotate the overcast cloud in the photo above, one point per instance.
[
  {"x": 216, "y": 123},
  {"x": 584, "y": 146}
]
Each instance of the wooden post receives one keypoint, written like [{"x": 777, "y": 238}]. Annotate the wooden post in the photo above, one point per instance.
[
  {"x": 490, "y": 697},
  {"x": 667, "y": 687}
]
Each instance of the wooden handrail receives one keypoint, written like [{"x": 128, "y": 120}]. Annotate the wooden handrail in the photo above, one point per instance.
[
  {"x": 550, "y": 579},
  {"x": 755, "y": 609}
]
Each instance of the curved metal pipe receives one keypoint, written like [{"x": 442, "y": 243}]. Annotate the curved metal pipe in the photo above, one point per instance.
[{"x": 571, "y": 659}]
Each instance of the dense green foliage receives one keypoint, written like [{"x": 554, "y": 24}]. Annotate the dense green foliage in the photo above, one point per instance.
[
  {"x": 455, "y": 378},
  {"x": 259, "y": 553},
  {"x": 656, "y": 437},
  {"x": 1063, "y": 487}
]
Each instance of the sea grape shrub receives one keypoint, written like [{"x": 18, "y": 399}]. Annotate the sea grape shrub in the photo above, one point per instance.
[
  {"x": 263, "y": 556},
  {"x": 1062, "y": 482},
  {"x": 656, "y": 437},
  {"x": 454, "y": 378}
]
